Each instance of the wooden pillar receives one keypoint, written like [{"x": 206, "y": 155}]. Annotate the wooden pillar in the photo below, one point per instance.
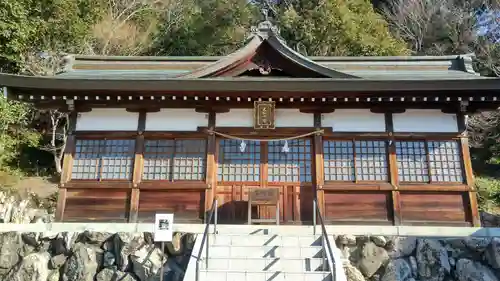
[
  {"x": 319, "y": 179},
  {"x": 467, "y": 171},
  {"x": 392, "y": 167},
  {"x": 138, "y": 168},
  {"x": 211, "y": 169},
  {"x": 66, "y": 166}
]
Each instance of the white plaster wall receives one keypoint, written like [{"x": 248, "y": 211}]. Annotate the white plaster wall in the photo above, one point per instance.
[
  {"x": 237, "y": 117},
  {"x": 425, "y": 120},
  {"x": 107, "y": 119},
  {"x": 293, "y": 118},
  {"x": 176, "y": 119},
  {"x": 354, "y": 120}
]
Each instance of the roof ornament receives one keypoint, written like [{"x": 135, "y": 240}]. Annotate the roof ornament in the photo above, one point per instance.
[{"x": 266, "y": 28}]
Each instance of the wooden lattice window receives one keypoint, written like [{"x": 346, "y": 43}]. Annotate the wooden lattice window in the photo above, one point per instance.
[
  {"x": 234, "y": 165},
  {"x": 429, "y": 161},
  {"x": 350, "y": 160},
  {"x": 103, "y": 159},
  {"x": 292, "y": 166},
  {"x": 179, "y": 159}
]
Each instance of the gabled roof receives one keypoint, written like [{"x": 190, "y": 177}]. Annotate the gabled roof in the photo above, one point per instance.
[{"x": 266, "y": 49}]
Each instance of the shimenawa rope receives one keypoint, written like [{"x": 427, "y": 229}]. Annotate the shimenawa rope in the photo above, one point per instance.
[{"x": 265, "y": 140}]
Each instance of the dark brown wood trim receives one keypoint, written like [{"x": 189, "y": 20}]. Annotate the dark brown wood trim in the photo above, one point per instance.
[
  {"x": 433, "y": 187},
  {"x": 396, "y": 207},
  {"x": 105, "y": 134},
  {"x": 97, "y": 184},
  {"x": 317, "y": 109},
  {"x": 318, "y": 163},
  {"x": 61, "y": 204},
  {"x": 365, "y": 186},
  {"x": 390, "y": 110},
  {"x": 143, "y": 109},
  {"x": 162, "y": 185},
  {"x": 469, "y": 181}
]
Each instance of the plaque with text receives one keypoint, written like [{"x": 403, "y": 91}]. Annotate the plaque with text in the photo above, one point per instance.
[
  {"x": 264, "y": 115},
  {"x": 264, "y": 196}
]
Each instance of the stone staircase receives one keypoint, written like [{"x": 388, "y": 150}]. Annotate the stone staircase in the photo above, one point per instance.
[{"x": 264, "y": 257}]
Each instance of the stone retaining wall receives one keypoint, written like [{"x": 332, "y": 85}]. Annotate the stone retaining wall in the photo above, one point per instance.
[
  {"x": 90, "y": 256},
  {"x": 381, "y": 258}
]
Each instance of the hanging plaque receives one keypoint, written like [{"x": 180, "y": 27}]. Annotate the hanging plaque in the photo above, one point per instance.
[{"x": 263, "y": 115}]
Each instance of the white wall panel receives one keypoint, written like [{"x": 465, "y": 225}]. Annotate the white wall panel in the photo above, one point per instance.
[
  {"x": 176, "y": 119},
  {"x": 354, "y": 120},
  {"x": 425, "y": 120},
  {"x": 235, "y": 118},
  {"x": 107, "y": 119},
  {"x": 293, "y": 118}
]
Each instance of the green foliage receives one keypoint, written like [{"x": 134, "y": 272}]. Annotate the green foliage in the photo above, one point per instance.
[
  {"x": 488, "y": 194},
  {"x": 39, "y": 25},
  {"x": 337, "y": 28},
  {"x": 206, "y": 27},
  {"x": 15, "y": 130}
]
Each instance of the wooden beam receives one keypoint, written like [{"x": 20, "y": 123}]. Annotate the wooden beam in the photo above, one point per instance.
[
  {"x": 61, "y": 204},
  {"x": 211, "y": 169},
  {"x": 319, "y": 179},
  {"x": 138, "y": 168},
  {"x": 468, "y": 174},
  {"x": 392, "y": 168},
  {"x": 66, "y": 166}
]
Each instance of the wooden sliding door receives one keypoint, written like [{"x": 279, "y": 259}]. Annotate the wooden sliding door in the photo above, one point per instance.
[{"x": 283, "y": 165}]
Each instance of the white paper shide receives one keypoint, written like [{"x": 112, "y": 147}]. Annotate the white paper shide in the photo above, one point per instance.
[{"x": 164, "y": 224}]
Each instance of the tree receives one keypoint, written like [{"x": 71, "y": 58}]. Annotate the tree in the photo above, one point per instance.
[
  {"x": 337, "y": 28},
  {"x": 205, "y": 27},
  {"x": 442, "y": 27},
  {"x": 15, "y": 130}
]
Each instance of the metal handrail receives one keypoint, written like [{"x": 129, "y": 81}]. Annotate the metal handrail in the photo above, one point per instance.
[
  {"x": 205, "y": 238},
  {"x": 324, "y": 241}
]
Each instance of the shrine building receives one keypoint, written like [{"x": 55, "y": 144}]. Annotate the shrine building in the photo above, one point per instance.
[{"x": 377, "y": 140}]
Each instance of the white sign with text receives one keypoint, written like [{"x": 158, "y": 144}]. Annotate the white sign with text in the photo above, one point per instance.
[{"x": 164, "y": 224}]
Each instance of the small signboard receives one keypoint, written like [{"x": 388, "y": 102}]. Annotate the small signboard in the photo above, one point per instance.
[
  {"x": 164, "y": 224},
  {"x": 264, "y": 115},
  {"x": 264, "y": 197}
]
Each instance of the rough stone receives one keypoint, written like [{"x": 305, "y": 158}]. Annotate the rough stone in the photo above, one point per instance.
[
  {"x": 397, "y": 270},
  {"x": 403, "y": 247},
  {"x": 413, "y": 265},
  {"x": 124, "y": 244},
  {"x": 97, "y": 238},
  {"x": 352, "y": 273},
  {"x": 108, "y": 259},
  {"x": 57, "y": 261},
  {"x": 468, "y": 270},
  {"x": 33, "y": 267},
  {"x": 371, "y": 259},
  {"x": 346, "y": 240},
  {"x": 432, "y": 260},
  {"x": 82, "y": 264},
  {"x": 492, "y": 253},
  {"x": 146, "y": 262},
  {"x": 54, "y": 275},
  {"x": 379, "y": 240},
  {"x": 10, "y": 250},
  {"x": 109, "y": 274}
]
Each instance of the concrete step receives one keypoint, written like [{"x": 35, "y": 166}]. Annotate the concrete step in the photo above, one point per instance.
[
  {"x": 264, "y": 240},
  {"x": 228, "y": 251},
  {"x": 226, "y": 275},
  {"x": 266, "y": 264}
]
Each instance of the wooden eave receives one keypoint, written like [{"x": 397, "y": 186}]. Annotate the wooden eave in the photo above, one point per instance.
[{"x": 305, "y": 85}]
